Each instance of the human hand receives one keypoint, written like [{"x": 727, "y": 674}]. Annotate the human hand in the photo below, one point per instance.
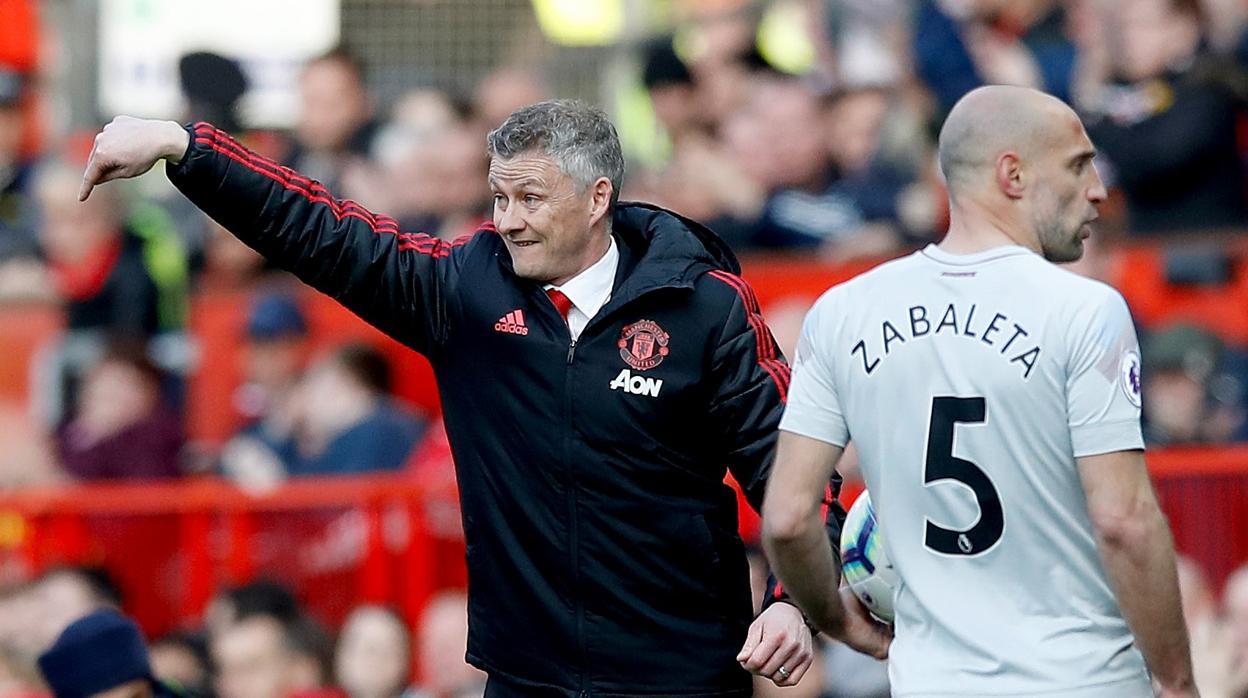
[
  {"x": 128, "y": 147},
  {"x": 778, "y": 646},
  {"x": 862, "y": 631}
]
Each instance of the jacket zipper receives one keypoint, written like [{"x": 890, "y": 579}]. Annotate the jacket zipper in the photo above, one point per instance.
[{"x": 574, "y": 523}]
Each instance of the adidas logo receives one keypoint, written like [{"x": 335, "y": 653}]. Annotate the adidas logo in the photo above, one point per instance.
[{"x": 512, "y": 323}]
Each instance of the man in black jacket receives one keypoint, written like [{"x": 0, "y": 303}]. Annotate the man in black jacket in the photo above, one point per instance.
[{"x": 600, "y": 364}]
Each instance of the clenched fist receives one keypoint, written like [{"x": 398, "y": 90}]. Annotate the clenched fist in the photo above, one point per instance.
[{"x": 128, "y": 147}]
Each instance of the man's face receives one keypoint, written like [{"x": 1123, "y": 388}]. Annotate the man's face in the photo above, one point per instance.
[
  {"x": 547, "y": 225},
  {"x": 1150, "y": 36},
  {"x": 333, "y": 105},
  {"x": 372, "y": 658},
  {"x": 1068, "y": 190},
  {"x": 252, "y": 660}
]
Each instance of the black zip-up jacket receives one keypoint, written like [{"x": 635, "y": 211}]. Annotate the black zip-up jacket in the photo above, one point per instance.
[{"x": 603, "y": 552}]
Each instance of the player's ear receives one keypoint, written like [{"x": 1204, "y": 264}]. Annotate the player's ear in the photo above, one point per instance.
[{"x": 1009, "y": 175}]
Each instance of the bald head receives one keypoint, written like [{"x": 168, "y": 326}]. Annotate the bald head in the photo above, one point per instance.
[
  {"x": 1018, "y": 165},
  {"x": 990, "y": 121}
]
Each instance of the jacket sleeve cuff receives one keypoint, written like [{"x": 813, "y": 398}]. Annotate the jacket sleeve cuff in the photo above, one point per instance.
[{"x": 776, "y": 594}]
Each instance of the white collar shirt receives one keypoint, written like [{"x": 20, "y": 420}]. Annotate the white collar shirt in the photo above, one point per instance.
[{"x": 590, "y": 289}]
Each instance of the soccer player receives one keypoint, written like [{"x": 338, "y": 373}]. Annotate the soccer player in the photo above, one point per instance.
[
  {"x": 994, "y": 399},
  {"x": 601, "y": 369}
]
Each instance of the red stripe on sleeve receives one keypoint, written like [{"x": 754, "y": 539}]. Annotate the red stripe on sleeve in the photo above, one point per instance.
[
  {"x": 765, "y": 344},
  {"x": 421, "y": 243}
]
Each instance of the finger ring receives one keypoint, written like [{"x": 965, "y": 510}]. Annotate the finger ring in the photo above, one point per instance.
[{"x": 784, "y": 673}]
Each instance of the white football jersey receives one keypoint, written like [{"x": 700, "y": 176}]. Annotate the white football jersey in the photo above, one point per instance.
[{"x": 970, "y": 384}]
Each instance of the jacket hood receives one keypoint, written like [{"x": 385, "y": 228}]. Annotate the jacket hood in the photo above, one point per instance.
[{"x": 670, "y": 249}]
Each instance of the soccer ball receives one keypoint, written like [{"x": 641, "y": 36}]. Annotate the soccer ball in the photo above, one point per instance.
[{"x": 864, "y": 564}]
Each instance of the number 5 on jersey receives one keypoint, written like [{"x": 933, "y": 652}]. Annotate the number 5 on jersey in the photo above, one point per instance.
[{"x": 941, "y": 464}]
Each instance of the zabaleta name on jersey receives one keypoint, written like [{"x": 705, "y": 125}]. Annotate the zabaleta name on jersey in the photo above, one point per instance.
[{"x": 997, "y": 330}]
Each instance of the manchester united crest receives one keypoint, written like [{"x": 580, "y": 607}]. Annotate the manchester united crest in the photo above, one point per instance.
[{"x": 643, "y": 344}]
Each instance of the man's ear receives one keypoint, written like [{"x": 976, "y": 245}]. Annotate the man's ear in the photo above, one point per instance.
[
  {"x": 600, "y": 193},
  {"x": 1009, "y": 175}
]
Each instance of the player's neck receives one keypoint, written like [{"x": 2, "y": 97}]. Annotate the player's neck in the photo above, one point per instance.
[{"x": 974, "y": 229}]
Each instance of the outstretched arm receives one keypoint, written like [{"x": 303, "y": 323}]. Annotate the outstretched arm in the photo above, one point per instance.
[{"x": 396, "y": 281}]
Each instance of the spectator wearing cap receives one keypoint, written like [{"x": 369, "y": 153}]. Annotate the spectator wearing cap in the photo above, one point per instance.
[
  {"x": 672, "y": 92},
  {"x": 1188, "y": 398},
  {"x": 273, "y": 360},
  {"x": 213, "y": 84},
  {"x": 101, "y": 655}
]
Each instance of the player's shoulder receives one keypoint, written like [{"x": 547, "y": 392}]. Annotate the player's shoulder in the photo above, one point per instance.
[
  {"x": 719, "y": 291},
  {"x": 1077, "y": 291}
]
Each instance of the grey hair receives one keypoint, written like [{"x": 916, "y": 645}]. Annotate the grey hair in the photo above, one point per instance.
[{"x": 578, "y": 137}]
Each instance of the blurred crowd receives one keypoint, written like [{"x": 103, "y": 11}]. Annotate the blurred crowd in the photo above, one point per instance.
[
  {"x": 254, "y": 641},
  {"x": 61, "y": 632},
  {"x": 835, "y": 163}
]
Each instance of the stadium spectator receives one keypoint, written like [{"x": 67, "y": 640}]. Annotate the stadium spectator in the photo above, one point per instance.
[
  {"x": 503, "y": 91},
  {"x": 962, "y": 44},
  {"x": 181, "y": 661},
  {"x": 453, "y": 165},
  {"x": 1182, "y": 369},
  {"x": 335, "y": 128},
  {"x": 442, "y": 640},
  {"x": 273, "y": 357},
  {"x": 261, "y": 597},
  {"x": 21, "y": 640},
  {"x": 1167, "y": 120},
  {"x": 374, "y": 654},
  {"x": 101, "y": 655},
  {"x": 347, "y": 421},
  {"x": 406, "y": 153},
  {"x": 97, "y": 265},
  {"x": 27, "y": 454},
  {"x": 98, "y": 271},
  {"x": 871, "y": 180},
  {"x": 313, "y": 650},
  {"x": 212, "y": 85},
  {"x": 123, "y": 429},
  {"x": 261, "y": 656},
  {"x": 555, "y": 170},
  {"x": 32, "y": 615},
  {"x": 826, "y": 189},
  {"x": 21, "y": 274},
  {"x": 672, "y": 91}
]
